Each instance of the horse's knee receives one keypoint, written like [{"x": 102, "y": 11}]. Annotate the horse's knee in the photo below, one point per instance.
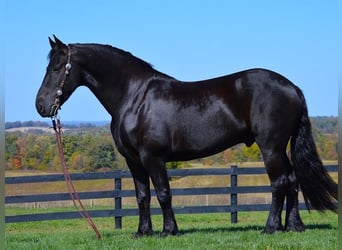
[
  {"x": 143, "y": 199},
  {"x": 164, "y": 196},
  {"x": 281, "y": 184},
  {"x": 293, "y": 180},
  {"x": 279, "y": 170}
]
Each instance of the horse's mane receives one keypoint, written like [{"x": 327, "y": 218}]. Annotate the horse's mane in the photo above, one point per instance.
[
  {"x": 110, "y": 50},
  {"x": 128, "y": 55}
]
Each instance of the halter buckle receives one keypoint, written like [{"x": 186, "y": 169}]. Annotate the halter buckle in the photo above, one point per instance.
[{"x": 67, "y": 68}]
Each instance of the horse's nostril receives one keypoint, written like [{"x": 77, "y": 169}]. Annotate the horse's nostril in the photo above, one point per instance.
[{"x": 39, "y": 107}]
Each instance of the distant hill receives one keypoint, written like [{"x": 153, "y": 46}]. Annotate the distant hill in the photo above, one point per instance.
[
  {"x": 66, "y": 124},
  {"x": 32, "y": 130},
  {"x": 19, "y": 124}
]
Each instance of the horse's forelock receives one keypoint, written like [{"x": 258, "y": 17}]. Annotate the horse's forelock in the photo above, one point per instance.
[
  {"x": 50, "y": 54},
  {"x": 53, "y": 52}
]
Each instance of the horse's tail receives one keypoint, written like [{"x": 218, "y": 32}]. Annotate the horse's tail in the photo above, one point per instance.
[{"x": 318, "y": 188}]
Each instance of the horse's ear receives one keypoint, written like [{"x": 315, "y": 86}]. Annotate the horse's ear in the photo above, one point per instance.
[
  {"x": 52, "y": 43},
  {"x": 57, "y": 44}
]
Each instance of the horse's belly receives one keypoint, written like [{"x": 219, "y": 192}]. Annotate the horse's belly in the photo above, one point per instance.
[{"x": 201, "y": 142}]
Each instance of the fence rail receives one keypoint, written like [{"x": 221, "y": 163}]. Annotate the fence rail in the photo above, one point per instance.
[{"x": 117, "y": 194}]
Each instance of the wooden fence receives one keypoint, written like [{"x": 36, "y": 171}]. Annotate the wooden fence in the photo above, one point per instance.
[{"x": 117, "y": 194}]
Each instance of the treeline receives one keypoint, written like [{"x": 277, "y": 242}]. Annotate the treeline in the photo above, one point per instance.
[
  {"x": 89, "y": 149},
  {"x": 85, "y": 150},
  {"x": 325, "y": 125}
]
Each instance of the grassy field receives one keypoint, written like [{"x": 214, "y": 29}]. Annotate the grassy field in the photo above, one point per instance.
[{"x": 201, "y": 231}]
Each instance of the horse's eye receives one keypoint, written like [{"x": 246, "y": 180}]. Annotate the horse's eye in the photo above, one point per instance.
[{"x": 55, "y": 70}]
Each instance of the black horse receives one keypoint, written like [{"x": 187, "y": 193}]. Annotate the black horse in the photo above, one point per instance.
[{"x": 156, "y": 119}]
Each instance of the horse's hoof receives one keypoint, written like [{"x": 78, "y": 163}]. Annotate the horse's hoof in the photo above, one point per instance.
[
  {"x": 295, "y": 228},
  {"x": 167, "y": 233},
  {"x": 143, "y": 234},
  {"x": 272, "y": 230}
]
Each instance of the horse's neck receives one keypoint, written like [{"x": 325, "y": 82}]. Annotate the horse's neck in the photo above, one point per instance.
[
  {"x": 108, "y": 91},
  {"x": 112, "y": 88},
  {"x": 113, "y": 81}
]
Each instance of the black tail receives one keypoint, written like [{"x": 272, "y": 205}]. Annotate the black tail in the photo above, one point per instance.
[{"x": 319, "y": 190}]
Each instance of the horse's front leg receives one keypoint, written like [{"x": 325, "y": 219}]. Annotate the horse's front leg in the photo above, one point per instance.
[
  {"x": 143, "y": 195},
  {"x": 158, "y": 174}
]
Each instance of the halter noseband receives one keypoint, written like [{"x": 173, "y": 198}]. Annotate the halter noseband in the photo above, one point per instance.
[{"x": 59, "y": 92}]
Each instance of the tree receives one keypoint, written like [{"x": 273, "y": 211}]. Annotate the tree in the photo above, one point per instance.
[
  {"x": 104, "y": 156},
  {"x": 252, "y": 153},
  {"x": 77, "y": 161},
  {"x": 11, "y": 147}
]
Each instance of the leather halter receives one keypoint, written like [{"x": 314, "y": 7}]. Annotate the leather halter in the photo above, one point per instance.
[{"x": 55, "y": 107}]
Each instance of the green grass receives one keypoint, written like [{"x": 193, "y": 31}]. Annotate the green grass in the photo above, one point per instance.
[{"x": 197, "y": 231}]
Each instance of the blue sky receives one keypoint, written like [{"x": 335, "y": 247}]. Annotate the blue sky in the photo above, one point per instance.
[{"x": 189, "y": 40}]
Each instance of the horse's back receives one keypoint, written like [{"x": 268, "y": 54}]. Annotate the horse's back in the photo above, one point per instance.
[{"x": 243, "y": 106}]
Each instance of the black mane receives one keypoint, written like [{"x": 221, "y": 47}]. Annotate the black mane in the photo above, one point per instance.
[
  {"x": 108, "y": 49},
  {"x": 128, "y": 55}
]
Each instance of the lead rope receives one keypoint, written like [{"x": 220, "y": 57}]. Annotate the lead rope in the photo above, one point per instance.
[{"x": 71, "y": 189}]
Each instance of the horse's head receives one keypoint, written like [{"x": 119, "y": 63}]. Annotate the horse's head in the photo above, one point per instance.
[{"x": 61, "y": 79}]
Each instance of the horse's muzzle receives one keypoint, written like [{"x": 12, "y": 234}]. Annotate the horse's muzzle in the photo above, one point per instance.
[{"x": 46, "y": 110}]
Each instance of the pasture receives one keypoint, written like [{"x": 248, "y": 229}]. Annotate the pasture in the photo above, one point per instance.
[{"x": 199, "y": 231}]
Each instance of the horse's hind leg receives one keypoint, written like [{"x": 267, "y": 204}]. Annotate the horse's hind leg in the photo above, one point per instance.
[
  {"x": 283, "y": 185},
  {"x": 279, "y": 184},
  {"x": 293, "y": 221}
]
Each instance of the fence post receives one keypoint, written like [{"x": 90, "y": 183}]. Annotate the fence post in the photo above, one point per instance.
[
  {"x": 118, "y": 201},
  {"x": 233, "y": 195}
]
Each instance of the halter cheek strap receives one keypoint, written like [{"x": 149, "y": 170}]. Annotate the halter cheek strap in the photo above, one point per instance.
[
  {"x": 66, "y": 73},
  {"x": 59, "y": 91}
]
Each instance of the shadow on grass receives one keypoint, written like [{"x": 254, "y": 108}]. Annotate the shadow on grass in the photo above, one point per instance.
[
  {"x": 227, "y": 229},
  {"x": 256, "y": 228},
  {"x": 220, "y": 229}
]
